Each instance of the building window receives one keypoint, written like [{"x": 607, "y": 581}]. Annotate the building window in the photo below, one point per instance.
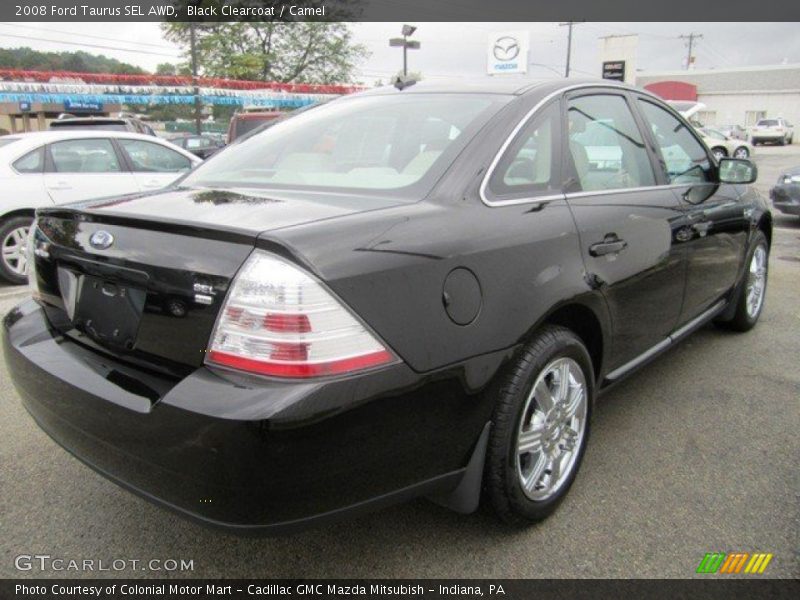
[{"x": 751, "y": 117}]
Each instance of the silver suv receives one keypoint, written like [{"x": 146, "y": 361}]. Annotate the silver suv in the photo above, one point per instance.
[{"x": 772, "y": 130}]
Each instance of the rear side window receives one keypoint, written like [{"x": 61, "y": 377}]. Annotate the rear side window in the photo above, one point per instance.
[
  {"x": 606, "y": 145},
  {"x": 32, "y": 162},
  {"x": 529, "y": 167},
  {"x": 85, "y": 156},
  {"x": 148, "y": 157},
  {"x": 685, "y": 158}
]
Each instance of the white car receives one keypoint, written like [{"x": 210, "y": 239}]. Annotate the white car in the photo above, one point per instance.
[
  {"x": 57, "y": 167},
  {"x": 723, "y": 146},
  {"x": 772, "y": 130}
]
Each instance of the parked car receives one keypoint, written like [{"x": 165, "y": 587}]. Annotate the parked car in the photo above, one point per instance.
[
  {"x": 777, "y": 130},
  {"x": 104, "y": 123},
  {"x": 397, "y": 294},
  {"x": 202, "y": 146},
  {"x": 58, "y": 167},
  {"x": 736, "y": 132},
  {"x": 721, "y": 145},
  {"x": 247, "y": 120},
  {"x": 786, "y": 193}
]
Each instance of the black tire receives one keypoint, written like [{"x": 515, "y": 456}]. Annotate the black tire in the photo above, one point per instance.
[
  {"x": 6, "y": 227},
  {"x": 782, "y": 142},
  {"x": 742, "y": 320},
  {"x": 501, "y": 480}
]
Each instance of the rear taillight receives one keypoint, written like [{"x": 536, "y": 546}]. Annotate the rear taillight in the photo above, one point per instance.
[{"x": 278, "y": 320}]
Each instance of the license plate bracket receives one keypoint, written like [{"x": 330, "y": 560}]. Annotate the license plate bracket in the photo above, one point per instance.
[{"x": 107, "y": 311}]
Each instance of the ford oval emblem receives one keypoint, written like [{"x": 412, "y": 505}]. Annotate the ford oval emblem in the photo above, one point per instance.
[{"x": 101, "y": 240}]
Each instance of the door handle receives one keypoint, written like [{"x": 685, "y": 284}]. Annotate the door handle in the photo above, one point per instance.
[{"x": 610, "y": 245}]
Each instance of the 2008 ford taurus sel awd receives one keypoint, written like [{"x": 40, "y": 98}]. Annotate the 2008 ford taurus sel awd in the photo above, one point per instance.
[{"x": 405, "y": 292}]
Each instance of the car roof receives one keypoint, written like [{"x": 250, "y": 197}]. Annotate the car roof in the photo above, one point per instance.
[
  {"x": 55, "y": 135},
  {"x": 511, "y": 86}
]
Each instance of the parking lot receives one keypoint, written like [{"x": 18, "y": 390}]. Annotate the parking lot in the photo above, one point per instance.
[{"x": 698, "y": 452}]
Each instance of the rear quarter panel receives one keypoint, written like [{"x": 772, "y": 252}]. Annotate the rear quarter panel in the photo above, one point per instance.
[{"x": 390, "y": 267}]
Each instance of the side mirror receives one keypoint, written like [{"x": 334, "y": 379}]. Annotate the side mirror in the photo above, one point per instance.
[{"x": 737, "y": 170}]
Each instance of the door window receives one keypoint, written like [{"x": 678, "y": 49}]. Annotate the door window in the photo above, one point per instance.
[
  {"x": 529, "y": 167},
  {"x": 84, "y": 156},
  {"x": 685, "y": 158},
  {"x": 147, "y": 157},
  {"x": 605, "y": 144}
]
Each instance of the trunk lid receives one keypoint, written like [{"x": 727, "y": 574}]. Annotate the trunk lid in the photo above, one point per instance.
[{"x": 143, "y": 277}]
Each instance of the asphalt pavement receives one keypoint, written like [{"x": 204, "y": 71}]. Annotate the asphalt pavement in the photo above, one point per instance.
[{"x": 698, "y": 452}]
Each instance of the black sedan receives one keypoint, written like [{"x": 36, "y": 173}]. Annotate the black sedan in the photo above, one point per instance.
[
  {"x": 786, "y": 193},
  {"x": 401, "y": 293}
]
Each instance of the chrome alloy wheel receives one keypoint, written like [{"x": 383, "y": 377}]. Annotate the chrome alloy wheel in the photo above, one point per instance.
[
  {"x": 756, "y": 281},
  {"x": 552, "y": 429},
  {"x": 741, "y": 152},
  {"x": 13, "y": 248}
]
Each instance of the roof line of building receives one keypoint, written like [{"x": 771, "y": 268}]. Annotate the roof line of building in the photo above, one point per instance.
[{"x": 690, "y": 72}]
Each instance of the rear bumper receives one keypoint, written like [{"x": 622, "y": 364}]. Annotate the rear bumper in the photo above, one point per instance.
[
  {"x": 766, "y": 136},
  {"x": 244, "y": 453}
]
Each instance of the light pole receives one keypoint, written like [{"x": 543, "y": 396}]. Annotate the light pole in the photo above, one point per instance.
[{"x": 405, "y": 43}]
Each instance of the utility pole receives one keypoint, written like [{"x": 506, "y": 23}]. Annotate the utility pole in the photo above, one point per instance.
[
  {"x": 569, "y": 25},
  {"x": 193, "y": 40},
  {"x": 691, "y": 37}
]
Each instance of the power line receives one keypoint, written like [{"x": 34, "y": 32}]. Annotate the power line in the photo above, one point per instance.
[
  {"x": 86, "y": 35},
  {"x": 85, "y": 45}
]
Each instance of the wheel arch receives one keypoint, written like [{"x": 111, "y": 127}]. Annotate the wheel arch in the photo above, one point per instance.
[
  {"x": 20, "y": 212},
  {"x": 587, "y": 320},
  {"x": 764, "y": 224}
]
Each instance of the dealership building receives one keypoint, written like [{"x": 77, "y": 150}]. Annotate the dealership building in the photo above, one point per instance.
[{"x": 738, "y": 96}]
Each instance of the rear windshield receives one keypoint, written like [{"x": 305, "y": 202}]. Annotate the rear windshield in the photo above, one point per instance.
[
  {"x": 5, "y": 141},
  {"x": 399, "y": 145},
  {"x": 768, "y": 123},
  {"x": 103, "y": 126}
]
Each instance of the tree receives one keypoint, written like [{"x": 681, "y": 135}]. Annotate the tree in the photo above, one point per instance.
[
  {"x": 25, "y": 58},
  {"x": 166, "y": 69},
  {"x": 300, "y": 52}
]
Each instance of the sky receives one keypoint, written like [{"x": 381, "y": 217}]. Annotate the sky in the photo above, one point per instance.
[{"x": 458, "y": 50}]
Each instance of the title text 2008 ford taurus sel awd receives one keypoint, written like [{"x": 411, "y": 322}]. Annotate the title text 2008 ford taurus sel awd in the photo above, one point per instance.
[{"x": 401, "y": 293}]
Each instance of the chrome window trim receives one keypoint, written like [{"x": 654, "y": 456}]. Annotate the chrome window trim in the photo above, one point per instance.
[
  {"x": 559, "y": 195},
  {"x": 646, "y": 188}
]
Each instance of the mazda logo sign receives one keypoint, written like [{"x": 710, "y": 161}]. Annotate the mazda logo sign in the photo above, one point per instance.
[
  {"x": 101, "y": 240},
  {"x": 506, "y": 48}
]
